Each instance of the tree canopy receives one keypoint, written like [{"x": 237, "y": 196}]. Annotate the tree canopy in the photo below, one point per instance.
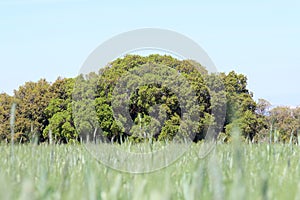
[{"x": 138, "y": 98}]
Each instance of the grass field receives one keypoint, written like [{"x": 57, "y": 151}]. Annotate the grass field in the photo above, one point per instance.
[{"x": 231, "y": 171}]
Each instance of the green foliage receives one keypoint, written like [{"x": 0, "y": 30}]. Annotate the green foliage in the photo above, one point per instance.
[
  {"x": 59, "y": 112},
  {"x": 285, "y": 123},
  {"x": 32, "y": 101},
  {"x": 5, "y": 106},
  {"x": 155, "y": 90},
  {"x": 241, "y": 108}
]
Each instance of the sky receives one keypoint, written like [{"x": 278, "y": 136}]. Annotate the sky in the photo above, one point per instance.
[{"x": 51, "y": 38}]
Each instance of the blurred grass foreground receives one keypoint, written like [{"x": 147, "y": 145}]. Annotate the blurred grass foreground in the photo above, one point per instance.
[{"x": 230, "y": 171}]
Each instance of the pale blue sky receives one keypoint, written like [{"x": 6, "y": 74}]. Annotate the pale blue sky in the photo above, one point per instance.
[{"x": 51, "y": 38}]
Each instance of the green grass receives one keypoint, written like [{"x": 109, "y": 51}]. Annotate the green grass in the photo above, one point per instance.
[{"x": 238, "y": 171}]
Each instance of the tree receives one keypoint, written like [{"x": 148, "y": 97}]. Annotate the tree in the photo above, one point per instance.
[
  {"x": 149, "y": 95},
  {"x": 240, "y": 106},
  {"x": 138, "y": 98},
  {"x": 84, "y": 106},
  {"x": 5, "y": 106},
  {"x": 285, "y": 120},
  {"x": 262, "y": 107},
  {"x": 59, "y": 112},
  {"x": 32, "y": 100}
]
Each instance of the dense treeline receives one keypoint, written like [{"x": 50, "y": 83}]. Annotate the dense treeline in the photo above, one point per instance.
[{"x": 69, "y": 108}]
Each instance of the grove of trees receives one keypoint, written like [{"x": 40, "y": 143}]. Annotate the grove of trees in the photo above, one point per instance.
[{"x": 65, "y": 110}]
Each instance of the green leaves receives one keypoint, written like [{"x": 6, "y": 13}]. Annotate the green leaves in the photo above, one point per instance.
[
  {"x": 151, "y": 98},
  {"x": 32, "y": 99},
  {"x": 59, "y": 112},
  {"x": 6, "y": 102},
  {"x": 241, "y": 108},
  {"x": 285, "y": 121},
  {"x": 136, "y": 97}
]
